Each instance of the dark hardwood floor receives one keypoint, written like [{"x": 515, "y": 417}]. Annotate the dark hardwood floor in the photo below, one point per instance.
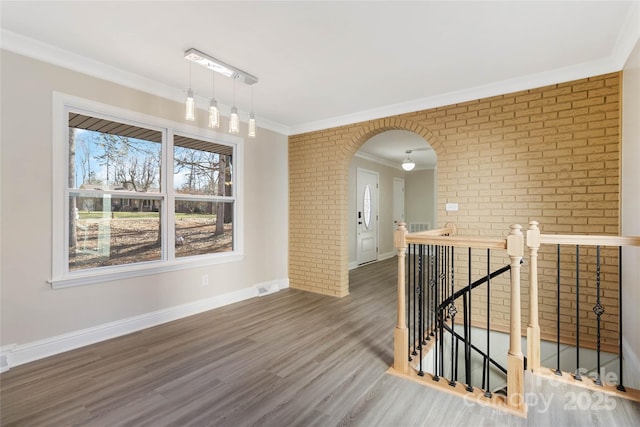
[
  {"x": 287, "y": 359},
  {"x": 290, "y": 358}
]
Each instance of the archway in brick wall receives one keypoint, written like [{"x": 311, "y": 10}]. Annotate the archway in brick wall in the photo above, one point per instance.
[
  {"x": 377, "y": 180},
  {"x": 357, "y": 140},
  {"x": 318, "y": 200}
]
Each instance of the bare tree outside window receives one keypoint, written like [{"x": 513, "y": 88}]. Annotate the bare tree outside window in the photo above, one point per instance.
[
  {"x": 111, "y": 174},
  {"x": 201, "y": 171}
]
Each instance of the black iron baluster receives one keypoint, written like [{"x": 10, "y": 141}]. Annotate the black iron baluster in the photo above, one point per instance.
[
  {"x": 411, "y": 292},
  {"x": 484, "y": 373},
  {"x": 416, "y": 299},
  {"x": 487, "y": 392},
  {"x": 423, "y": 288},
  {"x": 577, "y": 374},
  {"x": 558, "y": 371},
  {"x": 452, "y": 314},
  {"x": 436, "y": 312},
  {"x": 428, "y": 285},
  {"x": 441, "y": 318},
  {"x": 419, "y": 296},
  {"x": 598, "y": 309},
  {"x": 620, "y": 385},
  {"x": 434, "y": 285},
  {"x": 455, "y": 377},
  {"x": 467, "y": 332}
]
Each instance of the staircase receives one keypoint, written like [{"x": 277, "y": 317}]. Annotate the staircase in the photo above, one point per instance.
[{"x": 459, "y": 313}]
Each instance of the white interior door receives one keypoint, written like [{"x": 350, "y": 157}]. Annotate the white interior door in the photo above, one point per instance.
[
  {"x": 398, "y": 202},
  {"x": 367, "y": 216}
]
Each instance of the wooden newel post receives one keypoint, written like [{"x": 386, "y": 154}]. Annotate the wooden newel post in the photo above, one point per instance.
[
  {"x": 515, "y": 360},
  {"x": 401, "y": 333},
  {"x": 533, "y": 329}
]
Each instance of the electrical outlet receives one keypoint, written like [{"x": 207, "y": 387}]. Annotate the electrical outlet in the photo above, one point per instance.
[{"x": 205, "y": 280}]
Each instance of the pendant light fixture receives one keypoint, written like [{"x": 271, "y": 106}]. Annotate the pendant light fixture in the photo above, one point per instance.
[
  {"x": 252, "y": 119},
  {"x": 217, "y": 66},
  {"x": 234, "y": 120},
  {"x": 408, "y": 164},
  {"x": 214, "y": 113},
  {"x": 190, "y": 103}
]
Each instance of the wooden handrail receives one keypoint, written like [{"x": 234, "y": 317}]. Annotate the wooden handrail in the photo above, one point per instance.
[
  {"x": 449, "y": 229},
  {"x": 590, "y": 240},
  {"x": 474, "y": 242}
]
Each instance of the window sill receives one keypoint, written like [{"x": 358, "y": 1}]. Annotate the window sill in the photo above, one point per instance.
[{"x": 89, "y": 278}]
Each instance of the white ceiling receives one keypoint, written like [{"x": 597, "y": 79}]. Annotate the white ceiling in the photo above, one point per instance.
[
  {"x": 391, "y": 147},
  {"x": 323, "y": 64}
]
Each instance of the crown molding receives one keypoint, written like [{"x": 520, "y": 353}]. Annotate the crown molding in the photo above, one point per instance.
[
  {"x": 35, "y": 49},
  {"x": 530, "y": 81},
  {"x": 627, "y": 38}
]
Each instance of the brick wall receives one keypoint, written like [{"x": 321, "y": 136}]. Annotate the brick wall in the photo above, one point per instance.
[{"x": 549, "y": 154}]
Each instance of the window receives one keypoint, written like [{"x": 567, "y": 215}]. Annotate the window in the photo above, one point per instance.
[
  {"x": 110, "y": 162},
  {"x": 140, "y": 195},
  {"x": 202, "y": 180}
]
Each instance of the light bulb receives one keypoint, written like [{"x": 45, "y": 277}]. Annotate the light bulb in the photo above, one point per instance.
[
  {"x": 234, "y": 121},
  {"x": 252, "y": 125},
  {"x": 214, "y": 114},
  {"x": 190, "y": 105}
]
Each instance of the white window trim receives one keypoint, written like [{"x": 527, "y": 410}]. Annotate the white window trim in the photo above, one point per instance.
[{"x": 60, "y": 276}]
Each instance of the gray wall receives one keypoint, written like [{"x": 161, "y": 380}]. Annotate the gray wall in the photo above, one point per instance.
[
  {"x": 631, "y": 213},
  {"x": 420, "y": 197}
]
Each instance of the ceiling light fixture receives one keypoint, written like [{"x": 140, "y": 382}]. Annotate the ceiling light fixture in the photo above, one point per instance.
[
  {"x": 408, "y": 164},
  {"x": 201, "y": 58},
  {"x": 217, "y": 66},
  {"x": 190, "y": 102}
]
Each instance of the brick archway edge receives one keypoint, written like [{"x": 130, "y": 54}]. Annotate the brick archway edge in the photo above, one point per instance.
[{"x": 318, "y": 189}]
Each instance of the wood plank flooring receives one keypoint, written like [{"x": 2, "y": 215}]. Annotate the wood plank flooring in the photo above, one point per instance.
[{"x": 287, "y": 359}]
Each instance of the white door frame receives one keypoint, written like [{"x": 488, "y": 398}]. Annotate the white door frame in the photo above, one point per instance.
[{"x": 371, "y": 235}]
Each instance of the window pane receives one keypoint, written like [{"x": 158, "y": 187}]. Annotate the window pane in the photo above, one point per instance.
[
  {"x": 108, "y": 155},
  {"x": 201, "y": 167},
  {"x": 108, "y": 230},
  {"x": 203, "y": 227}
]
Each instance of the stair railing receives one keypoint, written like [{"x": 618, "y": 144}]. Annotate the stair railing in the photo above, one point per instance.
[
  {"x": 432, "y": 289},
  {"x": 587, "y": 269}
]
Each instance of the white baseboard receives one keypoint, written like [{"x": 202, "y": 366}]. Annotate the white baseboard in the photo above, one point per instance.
[
  {"x": 382, "y": 257},
  {"x": 18, "y": 354},
  {"x": 4, "y": 356}
]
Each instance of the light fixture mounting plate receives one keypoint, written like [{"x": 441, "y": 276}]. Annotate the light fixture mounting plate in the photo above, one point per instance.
[{"x": 218, "y": 66}]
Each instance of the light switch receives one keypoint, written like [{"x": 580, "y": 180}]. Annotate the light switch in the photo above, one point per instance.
[{"x": 451, "y": 207}]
